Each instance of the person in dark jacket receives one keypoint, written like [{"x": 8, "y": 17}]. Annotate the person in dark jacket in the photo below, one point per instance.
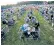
[
  {"x": 36, "y": 33},
  {"x": 2, "y": 35}
]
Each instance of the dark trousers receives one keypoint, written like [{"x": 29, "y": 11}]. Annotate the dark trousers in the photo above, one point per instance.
[
  {"x": 26, "y": 34},
  {"x": 34, "y": 34}
]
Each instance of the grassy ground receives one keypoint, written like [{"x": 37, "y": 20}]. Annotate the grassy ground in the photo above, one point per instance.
[{"x": 46, "y": 33}]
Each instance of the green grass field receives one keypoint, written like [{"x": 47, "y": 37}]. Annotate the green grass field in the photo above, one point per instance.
[{"x": 46, "y": 33}]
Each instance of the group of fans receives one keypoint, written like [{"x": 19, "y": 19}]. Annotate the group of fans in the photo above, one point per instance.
[
  {"x": 7, "y": 17},
  {"x": 48, "y": 13},
  {"x": 31, "y": 27}
]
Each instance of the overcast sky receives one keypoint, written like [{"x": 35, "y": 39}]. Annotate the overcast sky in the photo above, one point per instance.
[{"x": 5, "y": 2}]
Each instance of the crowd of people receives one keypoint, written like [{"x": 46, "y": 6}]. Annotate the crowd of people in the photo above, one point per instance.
[
  {"x": 7, "y": 17},
  {"x": 31, "y": 27},
  {"x": 48, "y": 13}
]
